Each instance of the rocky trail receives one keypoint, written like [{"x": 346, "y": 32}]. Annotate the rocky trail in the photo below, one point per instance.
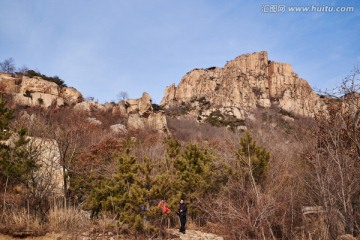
[
  {"x": 172, "y": 234},
  {"x": 194, "y": 235}
]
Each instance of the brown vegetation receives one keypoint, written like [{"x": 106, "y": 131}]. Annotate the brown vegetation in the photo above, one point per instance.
[{"x": 284, "y": 178}]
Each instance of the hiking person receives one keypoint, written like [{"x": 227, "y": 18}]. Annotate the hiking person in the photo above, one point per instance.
[
  {"x": 182, "y": 215},
  {"x": 164, "y": 207},
  {"x": 166, "y": 212}
]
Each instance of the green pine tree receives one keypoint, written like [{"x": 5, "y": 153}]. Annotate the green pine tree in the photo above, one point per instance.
[
  {"x": 16, "y": 164},
  {"x": 198, "y": 176},
  {"x": 254, "y": 160}
]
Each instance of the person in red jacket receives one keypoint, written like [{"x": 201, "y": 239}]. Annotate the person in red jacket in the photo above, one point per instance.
[
  {"x": 164, "y": 207},
  {"x": 166, "y": 212}
]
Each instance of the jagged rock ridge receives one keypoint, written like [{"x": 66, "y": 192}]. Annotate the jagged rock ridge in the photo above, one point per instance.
[
  {"x": 38, "y": 92},
  {"x": 243, "y": 84},
  {"x": 248, "y": 82}
]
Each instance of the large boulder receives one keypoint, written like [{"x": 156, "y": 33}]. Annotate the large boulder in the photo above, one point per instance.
[
  {"x": 89, "y": 106},
  {"x": 49, "y": 177},
  {"x": 155, "y": 121},
  {"x": 145, "y": 104},
  {"x": 71, "y": 95}
]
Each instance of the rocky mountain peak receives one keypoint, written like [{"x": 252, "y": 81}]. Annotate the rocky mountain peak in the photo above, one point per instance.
[{"x": 248, "y": 82}]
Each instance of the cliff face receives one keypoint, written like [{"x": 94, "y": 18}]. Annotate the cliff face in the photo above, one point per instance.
[
  {"x": 243, "y": 84},
  {"x": 37, "y": 91}
]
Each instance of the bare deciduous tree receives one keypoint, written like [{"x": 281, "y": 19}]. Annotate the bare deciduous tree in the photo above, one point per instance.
[
  {"x": 7, "y": 65},
  {"x": 122, "y": 96},
  {"x": 333, "y": 177},
  {"x": 23, "y": 69}
]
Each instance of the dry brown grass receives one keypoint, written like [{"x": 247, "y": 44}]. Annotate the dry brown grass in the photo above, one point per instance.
[
  {"x": 187, "y": 130},
  {"x": 21, "y": 224},
  {"x": 70, "y": 219}
]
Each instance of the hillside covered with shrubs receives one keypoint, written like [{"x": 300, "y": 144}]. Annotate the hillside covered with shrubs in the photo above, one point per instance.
[{"x": 280, "y": 176}]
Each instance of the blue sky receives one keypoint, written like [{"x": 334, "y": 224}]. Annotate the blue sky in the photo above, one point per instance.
[{"x": 103, "y": 47}]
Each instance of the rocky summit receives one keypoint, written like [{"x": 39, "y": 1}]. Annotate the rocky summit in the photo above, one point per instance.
[{"x": 248, "y": 82}]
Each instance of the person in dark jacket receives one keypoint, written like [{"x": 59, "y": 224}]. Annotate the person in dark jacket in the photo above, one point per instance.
[{"x": 182, "y": 215}]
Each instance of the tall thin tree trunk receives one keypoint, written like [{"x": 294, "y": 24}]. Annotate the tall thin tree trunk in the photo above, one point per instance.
[
  {"x": 65, "y": 187},
  {"x": 4, "y": 205}
]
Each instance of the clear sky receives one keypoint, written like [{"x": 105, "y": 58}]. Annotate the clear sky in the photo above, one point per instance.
[{"x": 103, "y": 47}]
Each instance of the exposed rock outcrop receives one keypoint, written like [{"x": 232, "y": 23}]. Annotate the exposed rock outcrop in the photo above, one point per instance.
[
  {"x": 36, "y": 91},
  {"x": 142, "y": 105},
  {"x": 141, "y": 115},
  {"x": 37, "y": 84},
  {"x": 89, "y": 106},
  {"x": 218, "y": 95},
  {"x": 49, "y": 177},
  {"x": 243, "y": 84}
]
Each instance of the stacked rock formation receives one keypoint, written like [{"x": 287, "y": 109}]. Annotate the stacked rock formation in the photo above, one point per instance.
[{"x": 141, "y": 115}]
